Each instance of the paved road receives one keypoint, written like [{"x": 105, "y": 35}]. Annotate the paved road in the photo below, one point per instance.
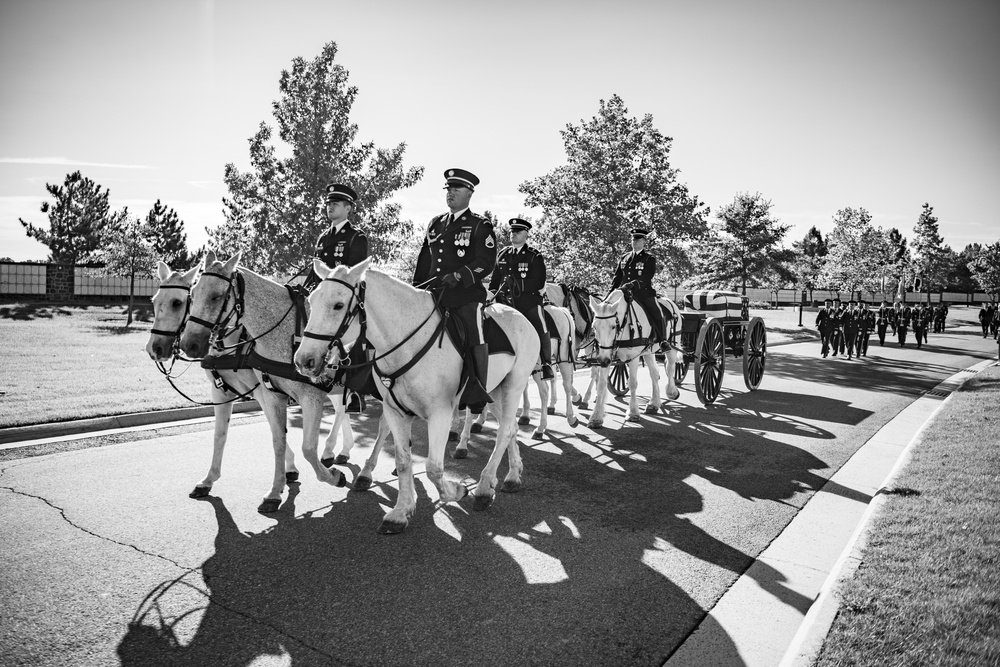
[{"x": 620, "y": 542}]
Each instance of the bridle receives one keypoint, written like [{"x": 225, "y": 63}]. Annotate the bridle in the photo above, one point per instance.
[
  {"x": 335, "y": 339},
  {"x": 187, "y": 310},
  {"x": 223, "y": 319}
]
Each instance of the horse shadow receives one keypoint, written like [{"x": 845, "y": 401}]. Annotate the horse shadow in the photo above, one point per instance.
[{"x": 559, "y": 574}]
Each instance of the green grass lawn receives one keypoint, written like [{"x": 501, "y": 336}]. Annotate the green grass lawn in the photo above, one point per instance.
[
  {"x": 71, "y": 362},
  {"x": 927, "y": 591}
]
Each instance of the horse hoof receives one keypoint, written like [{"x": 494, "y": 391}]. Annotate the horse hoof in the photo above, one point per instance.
[
  {"x": 269, "y": 505},
  {"x": 510, "y": 486},
  {"x": 341, "y": 479},
  {"x": 327, "y": 462},
  {"x": 573, "y": 422},
  {"x": 391, "y": 527},
  {"x": 633, "y": 418},
  {"x": 452, "y": 436},
  {"x": 200, "y": 492},
  {"x": 550, "y": 411},
  {"x": 524, "y": 420},
  {"x": 362, "y": 483},
  {"x": 595, "y": 424},
  {"x": 482, "y": 503},
  {"x": 476, "y": 428},
  {"x": 651, "y": 409},
  {"x": 341, "y": 459},
  {"x": 460, "y": 453},
  {"x": 538, "y": 435},
  {"x": 291, "y": 477}
]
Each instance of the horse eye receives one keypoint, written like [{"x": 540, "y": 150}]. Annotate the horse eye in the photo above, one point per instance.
[
  {"x": 339, "y": 305},
  {"x": 176, "y": 303}
]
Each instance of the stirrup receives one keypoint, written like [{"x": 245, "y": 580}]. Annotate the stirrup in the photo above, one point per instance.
[{"x": 547, "y": 373}]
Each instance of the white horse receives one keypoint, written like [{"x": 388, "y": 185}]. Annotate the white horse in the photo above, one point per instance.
[
  {"x": 563, "y": 355},
  {"x": 421, "y": 370},
  {"x": 267, "y": 314},
  {"x": 577, "y": 301},
  {"x": 621, "y": 333}
]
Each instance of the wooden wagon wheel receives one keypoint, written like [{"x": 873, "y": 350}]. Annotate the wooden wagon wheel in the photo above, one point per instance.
[
  {"x": 681, "y": 368},
  {"x": 709, "y": 361},
  {"x": 618, "y": 379},
  {"x": 754, "y": 353}
]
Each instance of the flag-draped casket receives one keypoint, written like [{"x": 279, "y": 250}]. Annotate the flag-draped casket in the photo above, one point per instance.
[{"x": 717, "y": 303}]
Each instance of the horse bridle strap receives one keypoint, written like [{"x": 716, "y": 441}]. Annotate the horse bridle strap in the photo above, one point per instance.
[{"x": 237, "y": 309}]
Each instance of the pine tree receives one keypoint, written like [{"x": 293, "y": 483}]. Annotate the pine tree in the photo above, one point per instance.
[
  {"x": 164, "y": 230},
  {"x": 930, "y": 262},
  {"x": 77, "y": 219}
]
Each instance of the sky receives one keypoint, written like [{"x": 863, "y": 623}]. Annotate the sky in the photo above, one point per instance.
[{"x": 817, "y": 105}]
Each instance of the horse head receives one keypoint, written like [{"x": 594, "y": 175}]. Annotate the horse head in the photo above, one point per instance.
[
  {"x": 607, "y": 320},
  {"x": 333, "y": 323},
  {"x": 170, "y": 310},
  {"x": 212, "y": 304}
]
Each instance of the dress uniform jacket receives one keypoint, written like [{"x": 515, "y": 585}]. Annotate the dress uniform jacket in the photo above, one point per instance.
[
  {"x": 639, "y": 267},
  {"x": 467, "y": 246},
  {"x": 522, "y": 272},
  {"x": 349, "y": 246}
]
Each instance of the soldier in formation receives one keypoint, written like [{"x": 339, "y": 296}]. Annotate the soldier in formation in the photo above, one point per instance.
[
  {"x": 904, "y": 315},
  {"x": 882, "y": 318},
  {"x": 825, "y": 325},
  {"x": 921, "y": 319},
  {"x": 519, "y": 280},
  {"x": 866, "y": 324}
]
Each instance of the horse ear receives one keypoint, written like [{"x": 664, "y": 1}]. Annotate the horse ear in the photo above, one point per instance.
[
  {"x": 209, "y": 258},
  {"x": 162, "y": 270},
  {"x": 358, "y": 270},
  {"x": 231, "y": 264},
  {"x": 593, "y": 303},
  {"x": 190, "y": 275},
  {"x": 321, "y": 269}
]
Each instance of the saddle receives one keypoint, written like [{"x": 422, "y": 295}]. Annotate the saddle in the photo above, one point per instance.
[{"x": 496, "y": 340}]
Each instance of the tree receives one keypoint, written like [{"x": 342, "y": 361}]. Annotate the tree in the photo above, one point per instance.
[
  {"x": 985, "y": 268},
  {"x": 274, "y": 212},
  {"x": 77, "y": 219},
  {"x": 165, "y": 232},
  {"x": 745, "y": 250},
  {"x": 128, "y": 253},
  {"x": 810, "y": 257},
  {"x": 617, "y": 177},
  {"x": 960, "y": 279},
  {"x": 930, "y": 262},
  {"x": 856, "y": 254}
]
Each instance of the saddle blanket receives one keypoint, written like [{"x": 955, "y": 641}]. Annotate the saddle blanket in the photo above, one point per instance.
[
  {"x": 717, "y": 303},
  {"x": 494, "y": 337}
]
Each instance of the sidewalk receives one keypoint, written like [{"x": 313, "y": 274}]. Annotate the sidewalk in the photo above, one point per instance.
[{"x": 817, "y": 549}]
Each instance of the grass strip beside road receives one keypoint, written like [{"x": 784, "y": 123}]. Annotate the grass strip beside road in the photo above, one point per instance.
[{"x": 927, "y": 591}]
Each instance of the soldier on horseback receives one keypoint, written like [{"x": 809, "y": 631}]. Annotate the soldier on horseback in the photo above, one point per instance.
[
  {"x": 340, "y": 243},
  {"x": 635, "y": 271},
  {"x": 519, "y": 280},
  {"x": 459, "y": 251}
]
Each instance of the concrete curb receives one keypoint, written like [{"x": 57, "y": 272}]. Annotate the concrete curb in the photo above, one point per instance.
[
  {"x": 38, "y": 431},
  {"x": 808, "y": 641},
  {"x": 810, "y": 556}
]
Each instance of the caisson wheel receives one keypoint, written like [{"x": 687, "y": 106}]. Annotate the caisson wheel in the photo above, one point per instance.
[
  {"x": 618, "y": 379},
  {"x": 709, "y": 361},
  {"x": 754, "y": 353},
  {"x": 681, "y": 368}
]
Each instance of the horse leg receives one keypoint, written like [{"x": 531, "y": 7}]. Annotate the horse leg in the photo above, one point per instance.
[
  {"x": 599, "y": 377},
  {"x": 504, "y": 403},
  {"x": 312, "y": 413},
  {"x": 328, "y": 459},
  {"x": 468, "y": 426},
  {"x": 656, "y": 402},
  {"x": 553, "y": 394},
  {"x": 406, "y": 500},
  {"x": 669, "y": 367},
  {"x": 437, "y": 440},
  {"x": 566, "y": 372},
  {"x": 633, "y": 384},
  {"x": 363, "y": 481},
  {"x": 524, "y": 417},
  {"x": 275, "y": 408},
  {"x": 543, "y": 398},
  {"x": 595, "y": 374},
  {"x": 223, "y": 412}
]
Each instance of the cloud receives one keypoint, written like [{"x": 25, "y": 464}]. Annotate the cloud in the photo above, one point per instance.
[{"x": 69, "y": 163}]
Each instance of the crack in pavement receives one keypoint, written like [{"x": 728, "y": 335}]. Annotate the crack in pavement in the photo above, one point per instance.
[{"x": 185, "y": 572}]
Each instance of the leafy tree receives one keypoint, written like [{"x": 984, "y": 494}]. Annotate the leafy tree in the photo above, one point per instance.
[
  {"x": 985, "y": 268},
  {"x": 930, "y": 261},
  {"x": 856, "y": 252},
  {"x": 960, "y": 278},
  {"x": 275, "y": 210},
  {"x": 896, "y": 265},
  {"x": 77, "y": 219},
  {"x": 746, "y": 247},
  {"x": 810, "y": 256},
  {"x": 128, "y": 253},
  {"x": 617, "y": 177},
  {"x": 165, "y": 232}
]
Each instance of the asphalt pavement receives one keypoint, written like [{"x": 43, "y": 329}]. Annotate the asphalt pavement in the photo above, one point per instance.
[{"x": 700, "y": 535}]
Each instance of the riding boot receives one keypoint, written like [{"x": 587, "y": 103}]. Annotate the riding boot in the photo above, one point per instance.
[
  {"x": 546, "y": 355},
  {"x": 475, "y": 396}
]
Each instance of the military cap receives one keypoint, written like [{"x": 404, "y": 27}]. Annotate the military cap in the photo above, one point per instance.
[
  {"x": 461, "y": 178},
  {"x": 340, "y": 192},
  {"x": 862, "y": 303},
  {"x": 827, "y": 300},
  {"x": 517, "y": 224},
  {"x": 639, "y": 233}
]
